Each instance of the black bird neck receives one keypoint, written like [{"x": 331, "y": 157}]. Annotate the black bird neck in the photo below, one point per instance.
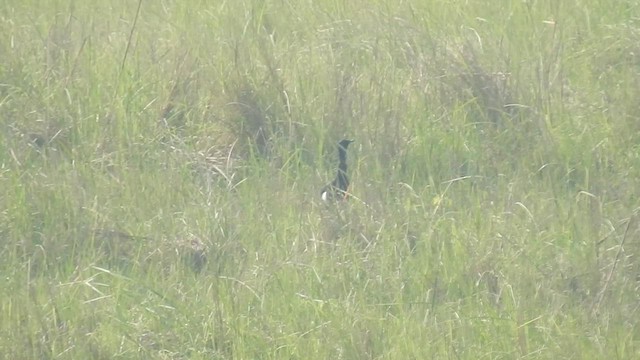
[
  {"x": 338, "y": 188},
  {"x": 342, "y": 156},
  {"x": 342, "y": 169}
]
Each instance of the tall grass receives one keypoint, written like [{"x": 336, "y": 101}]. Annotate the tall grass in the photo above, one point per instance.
[{"x": 159, "y": 180}]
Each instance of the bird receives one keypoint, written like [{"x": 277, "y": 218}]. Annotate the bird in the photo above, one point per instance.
[{"x": 337, "y": 189}]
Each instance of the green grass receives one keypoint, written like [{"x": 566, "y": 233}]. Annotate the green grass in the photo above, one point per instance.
[{"x": 160, "y": 173}]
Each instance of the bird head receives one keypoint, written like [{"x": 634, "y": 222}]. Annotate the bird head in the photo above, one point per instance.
[{"x": 345, "y": 143}]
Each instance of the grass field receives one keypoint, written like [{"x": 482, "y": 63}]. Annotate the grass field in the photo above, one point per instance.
[{"x": 160, "y": 167}]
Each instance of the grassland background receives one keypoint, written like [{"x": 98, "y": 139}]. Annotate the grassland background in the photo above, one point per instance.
[{"x": 160, "y": 167}]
